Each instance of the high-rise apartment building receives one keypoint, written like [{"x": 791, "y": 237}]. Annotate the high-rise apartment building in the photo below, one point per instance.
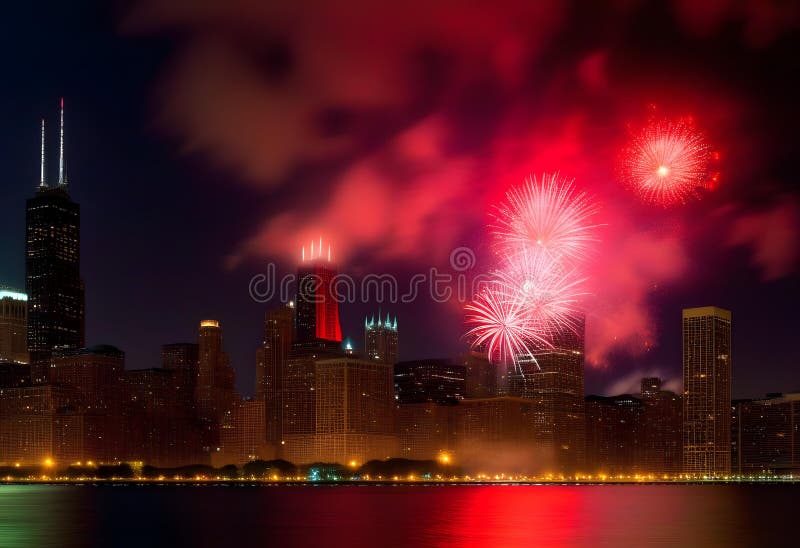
[
  {"x": 271, "y": 362},
  {"x": 662, "y": 429},
  {"x": 52, "y": 269},
  {"x": 13, "y": 326},
  {"x": 766, "y": 435},
  {"x": 614, "y": 434},
  {"x": 214, "y": 393},
  {"x": 707, "y": 391},
  {"x": 380, "y": 339},
  {"x": 354, "y": 411}
]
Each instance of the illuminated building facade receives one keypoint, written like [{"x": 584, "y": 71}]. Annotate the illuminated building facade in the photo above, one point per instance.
[
  {"x": 429, "y": 380},
  {"x": 380, "y": 339},
  {"x": 214, "y": 393},
  {"x": 52, "y": 270},
  {"x": 707, "y": 391},
  {"x": 13, "y": 326},
  {"x": 36, "y": 424},
  {"x": 766, "y": 435},
  {"x": 317, "y": 314},
  {"x": 555, "y": 380},
  {"x": 243, "y": 435},
  {"x": 271, "y": 362},
  {"x": 354, "y": 411}
]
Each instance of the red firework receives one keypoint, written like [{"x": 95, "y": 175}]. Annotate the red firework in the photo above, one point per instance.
[
  {"x": 668, "y": 162},
  {"x": 528, "y": 302},
  {"x": 545, "y": 216},
  {"x": 499, "y": 325}
]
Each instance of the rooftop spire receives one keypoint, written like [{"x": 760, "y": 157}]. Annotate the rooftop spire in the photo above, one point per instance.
[
  {"x": 62, "y": 176},
  {"x": 42, "y": 182}
]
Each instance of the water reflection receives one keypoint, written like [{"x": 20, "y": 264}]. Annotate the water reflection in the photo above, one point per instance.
[{"x": 611, "y": 515}]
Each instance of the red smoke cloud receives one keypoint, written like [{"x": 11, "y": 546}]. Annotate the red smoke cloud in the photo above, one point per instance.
[
  {"x": 394, "y": 127},
  {"x": 772, "y": 237}
]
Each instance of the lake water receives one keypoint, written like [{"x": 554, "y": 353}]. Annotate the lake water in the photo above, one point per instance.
[{"x": 473, "y": 515}]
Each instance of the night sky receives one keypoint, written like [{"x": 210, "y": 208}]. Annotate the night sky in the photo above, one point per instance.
[{"x": 206, "y": 139}]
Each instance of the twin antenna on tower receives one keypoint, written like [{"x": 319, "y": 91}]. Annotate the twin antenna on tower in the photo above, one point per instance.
[
  {"x": 316, "y": 251},
  {"x": 62, "y": 173}
]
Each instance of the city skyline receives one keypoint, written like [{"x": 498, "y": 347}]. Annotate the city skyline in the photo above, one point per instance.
[{"x": 201, "y": 203}]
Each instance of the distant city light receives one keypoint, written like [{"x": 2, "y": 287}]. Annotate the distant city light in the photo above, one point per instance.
[{"x": 15, "y": 295}]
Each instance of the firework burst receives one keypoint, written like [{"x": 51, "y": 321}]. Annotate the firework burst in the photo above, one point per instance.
[
  {"x": 667, "y": 163},
  {"x": 499, "y": 325},
  {"x": 549, "y": 293},
  {"x": 545, "y": 216},
  {"x": 526, "y": 304}
]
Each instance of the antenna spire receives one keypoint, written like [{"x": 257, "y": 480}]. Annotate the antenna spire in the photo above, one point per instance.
[
  {"x": 62, "y": 177},
  {"x": 42, "y": 182}
]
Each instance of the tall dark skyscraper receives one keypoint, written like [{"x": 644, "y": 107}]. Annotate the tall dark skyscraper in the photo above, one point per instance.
[
  {"x": 555, "y": 379},
  {"x": 707, "y": 391},
  {"x": 271, "y": 366},
  {"x": 380, "y": 339},
  {"x": 52, "y": 268},
  {"x": 317, "y": 316},
  {"x": 214, "y": 392}
]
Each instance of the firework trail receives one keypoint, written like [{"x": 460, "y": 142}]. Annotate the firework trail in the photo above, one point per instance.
[
  {"x": 668, "y": 163},
  {"x": 545, "y": 215}
]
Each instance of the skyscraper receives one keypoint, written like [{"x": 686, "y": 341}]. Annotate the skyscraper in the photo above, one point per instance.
[
  {"x": 555, "y": 380},
  {"x": 707, "y": 391},
  {"x": 380, "y": 339},
  {"x": 13, "y": 326},
  {"x": 271, "y": 366},
  {"x": 52, "y": 269},
  {"x": 183, "y": 360},
  {"x": 317, "y": 315},
  {"x": 354, "y": 411},
  {"x": 214, "y": 393}
]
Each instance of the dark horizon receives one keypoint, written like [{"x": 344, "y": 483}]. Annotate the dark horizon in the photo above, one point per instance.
[{"x": 169, "y": 217}]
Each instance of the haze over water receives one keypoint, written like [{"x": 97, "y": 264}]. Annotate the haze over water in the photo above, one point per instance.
[{"x": 553, "y": 515}]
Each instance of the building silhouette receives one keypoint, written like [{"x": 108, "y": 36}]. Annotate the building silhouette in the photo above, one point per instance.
[
  {"x": 380, "y": 339},
  {"x": 662, "y": 429},
  {"x": 13, "y": 326},
  {"x": 707, "y": 391},
  {"x": 52, "y": 268}
]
